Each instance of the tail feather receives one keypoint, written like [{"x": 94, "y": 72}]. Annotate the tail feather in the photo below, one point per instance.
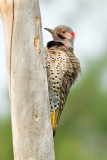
[
  {"x": 53, "y": 121},
  {"x": 54, "y": 133}
]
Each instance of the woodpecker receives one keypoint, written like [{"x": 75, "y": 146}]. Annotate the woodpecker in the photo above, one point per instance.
[{"x": 63, "y": 68}]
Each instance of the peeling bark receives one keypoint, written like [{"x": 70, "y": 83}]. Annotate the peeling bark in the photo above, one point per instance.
[{"x": 31, "y": 124}]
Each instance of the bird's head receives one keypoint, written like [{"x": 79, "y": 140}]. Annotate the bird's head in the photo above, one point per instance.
[{"x": 63, "y": 34}]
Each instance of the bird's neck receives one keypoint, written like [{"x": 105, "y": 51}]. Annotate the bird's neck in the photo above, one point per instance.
[{"x": 66, "y": 42}]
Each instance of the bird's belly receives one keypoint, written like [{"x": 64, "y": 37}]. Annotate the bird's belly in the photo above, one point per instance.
[
  {"x": 55, "y": 76},
  {"x": 56, "y": 68},
  {"x": 54, "y": 83}
]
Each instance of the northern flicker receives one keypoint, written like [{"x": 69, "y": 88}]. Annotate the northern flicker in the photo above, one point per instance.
[{"x": 63, "y": 68}]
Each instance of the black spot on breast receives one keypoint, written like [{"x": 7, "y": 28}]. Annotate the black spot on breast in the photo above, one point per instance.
[
  {"x": 51, "y": 70},
  {"x": 52, "y": 78}
]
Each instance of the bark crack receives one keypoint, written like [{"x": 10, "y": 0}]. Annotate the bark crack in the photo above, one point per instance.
[{"x": 11, "y": 44}]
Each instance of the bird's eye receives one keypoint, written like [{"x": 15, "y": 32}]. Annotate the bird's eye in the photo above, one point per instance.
[{"x": 63, "y": 31}]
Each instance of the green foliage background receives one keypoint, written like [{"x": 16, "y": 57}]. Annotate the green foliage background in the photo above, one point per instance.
[{"x": 82, "y": 131}]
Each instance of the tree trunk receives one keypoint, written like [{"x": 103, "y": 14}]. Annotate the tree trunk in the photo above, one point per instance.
[{"x": 31, "y": 124}]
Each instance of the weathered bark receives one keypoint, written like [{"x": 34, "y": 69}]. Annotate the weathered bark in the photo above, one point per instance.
[{"x": 31, "y": 125}]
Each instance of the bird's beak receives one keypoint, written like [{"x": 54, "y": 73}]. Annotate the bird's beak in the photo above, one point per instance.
[{"x": 50, "y": 30}]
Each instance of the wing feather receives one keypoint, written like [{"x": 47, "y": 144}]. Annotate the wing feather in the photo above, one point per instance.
[{"x": 73, "y": 69}]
